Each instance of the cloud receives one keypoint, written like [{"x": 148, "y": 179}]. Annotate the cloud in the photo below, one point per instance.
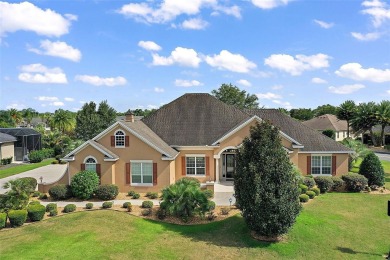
[
  {"x": 276, "y": 87},
  {"x": 149, "y": 45},
  {"x": 323, "y": 24},
  {"x": 378, "y": 11},
  {"x": 158, "y": 90},
  {"x": 366, "y": 37},
  {"x": 355, "y": 71},
  {"x": 194, "y": 24},
  {"x": 229, "y": 10},
  {"x": 269, "y": 4},
  {"x": 318, "y": 81},
  {"x": 346, "y": 89},
  {"x": 285, "y": 104},
  {"x": 181, "y": 56},
  {"x": 37, "y": 73},
  {"x": 388, "y": 91},
  {"x": 68, "y": 99},
  {"x": 16, "y": 106},
  {"x": 98, "y": 81},
  {"x": 187, "y": 83},
  {"x": 268, "y": 95},
  {"x": 26, "y": 16},
  {"x": 295, "y": 66},
  {"x": 244, "y": 82},
  {"x": 57, "y": 104},
  {"x": 44, "y": 98},
  {"x": 229, "y": 61},
  {"x": 58, "y": 49}
]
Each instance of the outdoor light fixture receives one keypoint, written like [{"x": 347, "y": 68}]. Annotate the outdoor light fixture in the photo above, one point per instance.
[
  {"x": 41, "y": 178},
  {"x": 230, "y": 201}
]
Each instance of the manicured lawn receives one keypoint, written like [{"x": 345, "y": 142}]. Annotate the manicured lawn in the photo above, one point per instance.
[
  {"x": 22, "y": 168},
  {"x": 333, "y": 226}
]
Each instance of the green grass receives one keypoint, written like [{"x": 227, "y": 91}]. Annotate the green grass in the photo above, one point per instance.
[
  {"x": 333, "y": 226},
  {"x": 22, "y": 168}
]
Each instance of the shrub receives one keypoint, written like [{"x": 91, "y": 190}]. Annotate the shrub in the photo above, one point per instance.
[
  {"x": 107, "y": 205},
  {"x": 372, "y": 169},
  {"x": 303, "y": 198},
  {"x": 17, "y": 217},
  {"x": 210, "y": 205},
  {"x": 36, "y": 212},
  {"x": 84, "y": 184},
  {"x": 148, "y": 194},
  {"x": 129, "y": 207},
  {"x": 53, "y": 212},
  {"x": 153, "y": 195},
  {"x": 35, "y": 156},
  {"x": 131, "y": 193},
  {"x": 225, "y": 211},
  {"x": 34, "y": 202},
  {"x": 309, "y": 182},
  {"x": 147, "y": 204},
  {"x": 36, "y": 194},
  {"x": 146, "y": 212},
  {"x": 211, "y": 216},
  {"x": 316, "y": 191},
  {"x": 190, "y": 179},
  {"x": 51, "y": 206},
  {"x": 136, "y": 196},
  {"x": 60, "y": 192},
  {"x": 209, "y": 194},
  {"x": 43, "y": 196},
  {"x": 55, "y": 162},
  {"x": 16, "y": 197},
  {"x": 303, "y": 188},
  {"x": 107, "y": 192},
  {"x": 126, "y": 204},
  {"x": 89, "y": 205},
  {"x": 311, "y": 194},
  {"x": 3, "y": 220},
  {"x": 338, "y": 183},
  {"x": 355, "y": 182},
  {"x": 69, "y": 208},
  {"x": 30, "y": 182},
  {"x": 324, "y": 183},
  {"x": 161, "y": 213}
]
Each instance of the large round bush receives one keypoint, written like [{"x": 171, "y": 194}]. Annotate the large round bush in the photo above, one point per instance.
[
  {"x": 17, "y": 217},
  {"x": 35, "y": 156},
  {"x": 372, "y": 169},
  {"x": 355, "y": 182},
  {"x": 60, "y": 192},
  {"x": 36, "y": 212},
  {"x": 324, "y": 183},
  {"x": 107, "y": 192},
  {"x": 84, "y": 184}
]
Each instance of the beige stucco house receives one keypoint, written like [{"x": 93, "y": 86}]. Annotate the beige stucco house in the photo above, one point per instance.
[
  {"x": 7, "y": 146},
  {"x": 195, "y": 135}
]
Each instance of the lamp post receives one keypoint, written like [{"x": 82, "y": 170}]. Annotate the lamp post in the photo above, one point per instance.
[
  {"x": 41, "y": 178},
  {"x": 230, "y": 201}
]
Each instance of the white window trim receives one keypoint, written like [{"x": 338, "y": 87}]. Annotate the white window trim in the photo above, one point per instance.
[
  {"x": 141, "y": 184},
  {"x": 90, "y": 157},
  {"x": 196, "y": 175},
  {"x": 321, "y": 155},
  {"x": 124, "y": 138}
]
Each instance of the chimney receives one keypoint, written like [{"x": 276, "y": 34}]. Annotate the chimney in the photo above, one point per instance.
[{"x": 129, "y": 117}]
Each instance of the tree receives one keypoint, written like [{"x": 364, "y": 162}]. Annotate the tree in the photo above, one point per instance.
[
  {"x": 84, "y": 184},
  {"x": 63, "y": 121},
  {"x": 232, "y": 95},
  {"x": 329, "y": 133},
  {"x": 346, "y": 111},
  {"x": 360, "y": 150},
  {"x": 16, "y": 115},
  {"x": 6, "y": 120},
  {"x": 325, "y": 109},
  {"x": 365, "y": 119},
  {"x": 28, "y": 114},
  {"x": 18, "y": 195},
  {"x": 107, "y": 115},
  {"x": 372, "y": 169},
  {"x": 302, "y": 114},
  {"x": 265, "y": 184},
  {"x": 382, "y": 116}
]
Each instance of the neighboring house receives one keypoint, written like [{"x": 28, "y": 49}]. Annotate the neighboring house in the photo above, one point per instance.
[
  {"x": 195, "y": 135},
  {"x": 27, "y": 140},
  {"x": 328, "y": 121},
  {"x": 7, "y": 146}
]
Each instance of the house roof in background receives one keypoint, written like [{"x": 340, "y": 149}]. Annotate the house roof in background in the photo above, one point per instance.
[
  {"x": 325, "y": 122},
  {"x": 22, "y": 131},
  {"x": 6, "y": 138}
]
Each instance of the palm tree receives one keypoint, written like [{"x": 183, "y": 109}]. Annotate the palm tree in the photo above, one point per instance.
[
  {"x": 383, "y": 117},
  {"x": 16, "y": 115},
  {"x": 365, "y": 119},
  {"x": 358, "y": 147},
  {"x": 63, "y": 121},
  {"x": 346, "y": 111}
]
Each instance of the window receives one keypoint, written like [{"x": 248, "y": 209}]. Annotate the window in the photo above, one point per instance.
[
  {"x": 90, "y": 164},
  {"x": 321, "y": 164},
  {"x": 142, "y": 173},
  {"x": 119, "y": 139},
  {"x": 195, "y": 166}
]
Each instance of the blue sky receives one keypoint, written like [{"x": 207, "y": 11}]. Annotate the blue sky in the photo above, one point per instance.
[{"x": 143, "y": 54}]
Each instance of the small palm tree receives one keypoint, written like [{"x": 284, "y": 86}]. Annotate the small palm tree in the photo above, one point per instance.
[
  {"x": 383, "y": 117},
  {"x": 346, "y": 111},
  {"x": 365, "y": 119},
  {"x": 16, "y": 115},
  {"x": 358, "y": 147},
  {"x": 63, "y": 121}
]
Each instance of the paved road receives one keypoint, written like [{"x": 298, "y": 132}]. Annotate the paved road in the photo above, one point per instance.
[
  {"x": 384, "y": 157},
  {"x": 49, "y": 173}
]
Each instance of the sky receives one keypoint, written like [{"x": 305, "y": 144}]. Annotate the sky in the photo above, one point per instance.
[{"x": 144, "y": 54}]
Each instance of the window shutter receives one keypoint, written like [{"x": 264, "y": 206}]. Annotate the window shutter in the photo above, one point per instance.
[
  {"x": 308, "y": 170},
  {"x": 333, "y": 165},
  {"x": 112, "y": 140},
  {"x": 127, "y": 173},
  {"x": 183, "y": 165},
  {"x": 207, "y": 161},
  {"x": 82, "y": 167},
  {"x": 154, "y": 174},
  {"x": 127, "y": 141},
  {"x": 98, "y": 171}
]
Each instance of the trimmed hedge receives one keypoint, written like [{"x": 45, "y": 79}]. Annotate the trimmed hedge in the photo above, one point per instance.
[
  {"x": 131, "y": 193},
  {"x": 84, "y": 184},
  {"x": 36, "y": 156},
  {"x": 316, "y": 191},
  {"x": 69, "y": 208},
  {"x": 107, "y": 205},
  {"x": 107, "y": 192},
  {"x": 17, "y": 217},
  {"x": 53, "y": 213},
  {"x": 311, "y": 194},
  {"x": 51, "y": 206},
  {"x": 372, "y": 169},
  {"x": 355, "y": 182},
  {"x": 153, "y": 195},
  {"x": 146, "y": 212},
  {"x": 338, "y": 183},
  {"x": 60, "y": 192},
  {"x": 324, "y": 183},
  {"x": 126, "y": 204},
  {"x": 303, "y": 188},
  {"x": 3, "y": 220},
  {"x": 147, "y": 204},
  {"x": 136, "y": 196},
  {"x": 309, "y": 182},
  {"x": 303, "y": 198},
  {"x": 89, "y": 205},
  {"x": 36, "y": 212}
]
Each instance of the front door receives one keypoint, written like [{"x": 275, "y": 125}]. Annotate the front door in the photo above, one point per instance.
[{"x": 230, "y": 166}]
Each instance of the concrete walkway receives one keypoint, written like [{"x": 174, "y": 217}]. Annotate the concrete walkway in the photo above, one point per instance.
[{"x": 50, "y": 173}]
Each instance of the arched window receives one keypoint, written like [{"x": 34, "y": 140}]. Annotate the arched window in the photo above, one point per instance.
[
  {"x": 90, "y": 164},
  {"x": 119, "y": 138}
]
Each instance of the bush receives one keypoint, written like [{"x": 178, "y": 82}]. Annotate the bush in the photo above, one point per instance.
[
  {"x": 153, "y": 195},
  {"x": 372, "y": 169},
  {"x": 147, "y": 204},
  {"x": 126, "y": 204},
  {"x": 36, "y": 212},
  {"x": 338, "y": 183},
  {"x": 107, "y": 205},
  {"x": 36, "y": 194},
  {"x": 43, "y": 196},
  {"x": 60, "y": 192},
  {"x": 316, "y": 191},
  {"x": 30, "y": 182},
  {"x": 303, "y": 188},
  {"x": 55, "y": 162},
  {"x": 303, "y": 198},
  {"x": 35, "y": 156},
  {"x": 129, "y": 207},
  {"x": 324, "y": 183},
  {"x": 148, "y": 194},
  {"x": 311, "y": 194},
  {"x": 225, "y": 211},
  {"x": 17, "y": 217},
  {"x": 107, "y": 192},
  {"x": 69, "y": 208},
  {"x": 211, "y": 216},
  {"x": 136, "y": 196},
  {"x": 309, "y": 182},
  {"x": 34, "y": 202},
  {"x": 329, "y": 133},
  {"x": 89, "y": 205},
  {"x": 355, "y": 182},
  {"x": 209, "y": 194},
  {"x": 47, "y": 153},
  {"x": 131, "y": 193},
  {"x": 84, "y": 184},
  {"x": 161, "y": 213},
  {"x": 146, "y": 212},
  {"x": 3, "y": 220},
  {"x": 51, "y": 206},
  {"x": 189, "y": 179},
  {"x": 210, "y": 205},
  {"x": 53, "y": 212}
]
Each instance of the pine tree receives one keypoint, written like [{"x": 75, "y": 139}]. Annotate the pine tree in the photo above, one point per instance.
[{"x": 372, "y": 169}]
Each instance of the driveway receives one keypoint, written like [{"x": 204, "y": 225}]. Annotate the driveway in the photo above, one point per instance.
[{"x": 50, "y": 173}]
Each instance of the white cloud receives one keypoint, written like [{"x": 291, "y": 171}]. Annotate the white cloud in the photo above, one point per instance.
[
  {"x": 28, "y": 17},
  {"x": 346, "y": 89},
  {"x": 149, "y": 45},
  {"x": 229, "y": 10},
  {"x": 378, "y": 11},
  {"x": 355, "y": 71},
  {"x": 323, "y": 24},
  {"x": 38, "y": 73},
  {"x": 181, "y": 56},
  {"x": 16, "y": 106},
  {"x": 268, "y": 95},
  {"x": 194, "y": 24},
  {"x": 152, "y": 106},
  {"x": 318, "y": 81},
  {"x": 68, "y": 99},
  {"x": 285, "y": 104},
  {"x": 269, "y": 4},
  {"x": 388, "y": 91},
  {"x": 276, "y": 87},
  {"x": 158, "y": 90},
  {"x": 295, "y": 66},
  {"x": 44, "y": 98},
  {"x": 366, "y": 37},
  {"x": 98, "y": 81},
  {"x": 229, "y": 61},
  {"x": 57, "y": 104},
  {"x": 244, "y": 82},
  {"x": 58, "y": 49},
  {"x": 187, "y": 83}
]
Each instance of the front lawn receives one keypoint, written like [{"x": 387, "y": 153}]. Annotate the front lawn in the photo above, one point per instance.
[
  {"x": 332, "y": 226},
  {"x": 23, "y": 168}
]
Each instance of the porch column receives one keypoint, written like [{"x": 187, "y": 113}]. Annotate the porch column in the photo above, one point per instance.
[{"x": 216, "y": 157}]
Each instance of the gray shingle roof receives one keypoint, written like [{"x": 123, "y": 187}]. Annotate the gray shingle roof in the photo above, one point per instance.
[
  {"x": 21, "y": 131},
  {"x": 327, "y": 121},
  {"x": 6, "y": 138},
  {"x": 105, "y": 149}
]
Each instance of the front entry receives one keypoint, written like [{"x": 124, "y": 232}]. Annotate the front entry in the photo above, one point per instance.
[{"x": 228, "y": 166}]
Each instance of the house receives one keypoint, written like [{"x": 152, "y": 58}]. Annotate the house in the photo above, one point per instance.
[
  {"x": 27, "y": 140},
  {"x": 6, "y": 146},
  {"x": 329, "y": 121},
  {"x": 195, "y": 135}
]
